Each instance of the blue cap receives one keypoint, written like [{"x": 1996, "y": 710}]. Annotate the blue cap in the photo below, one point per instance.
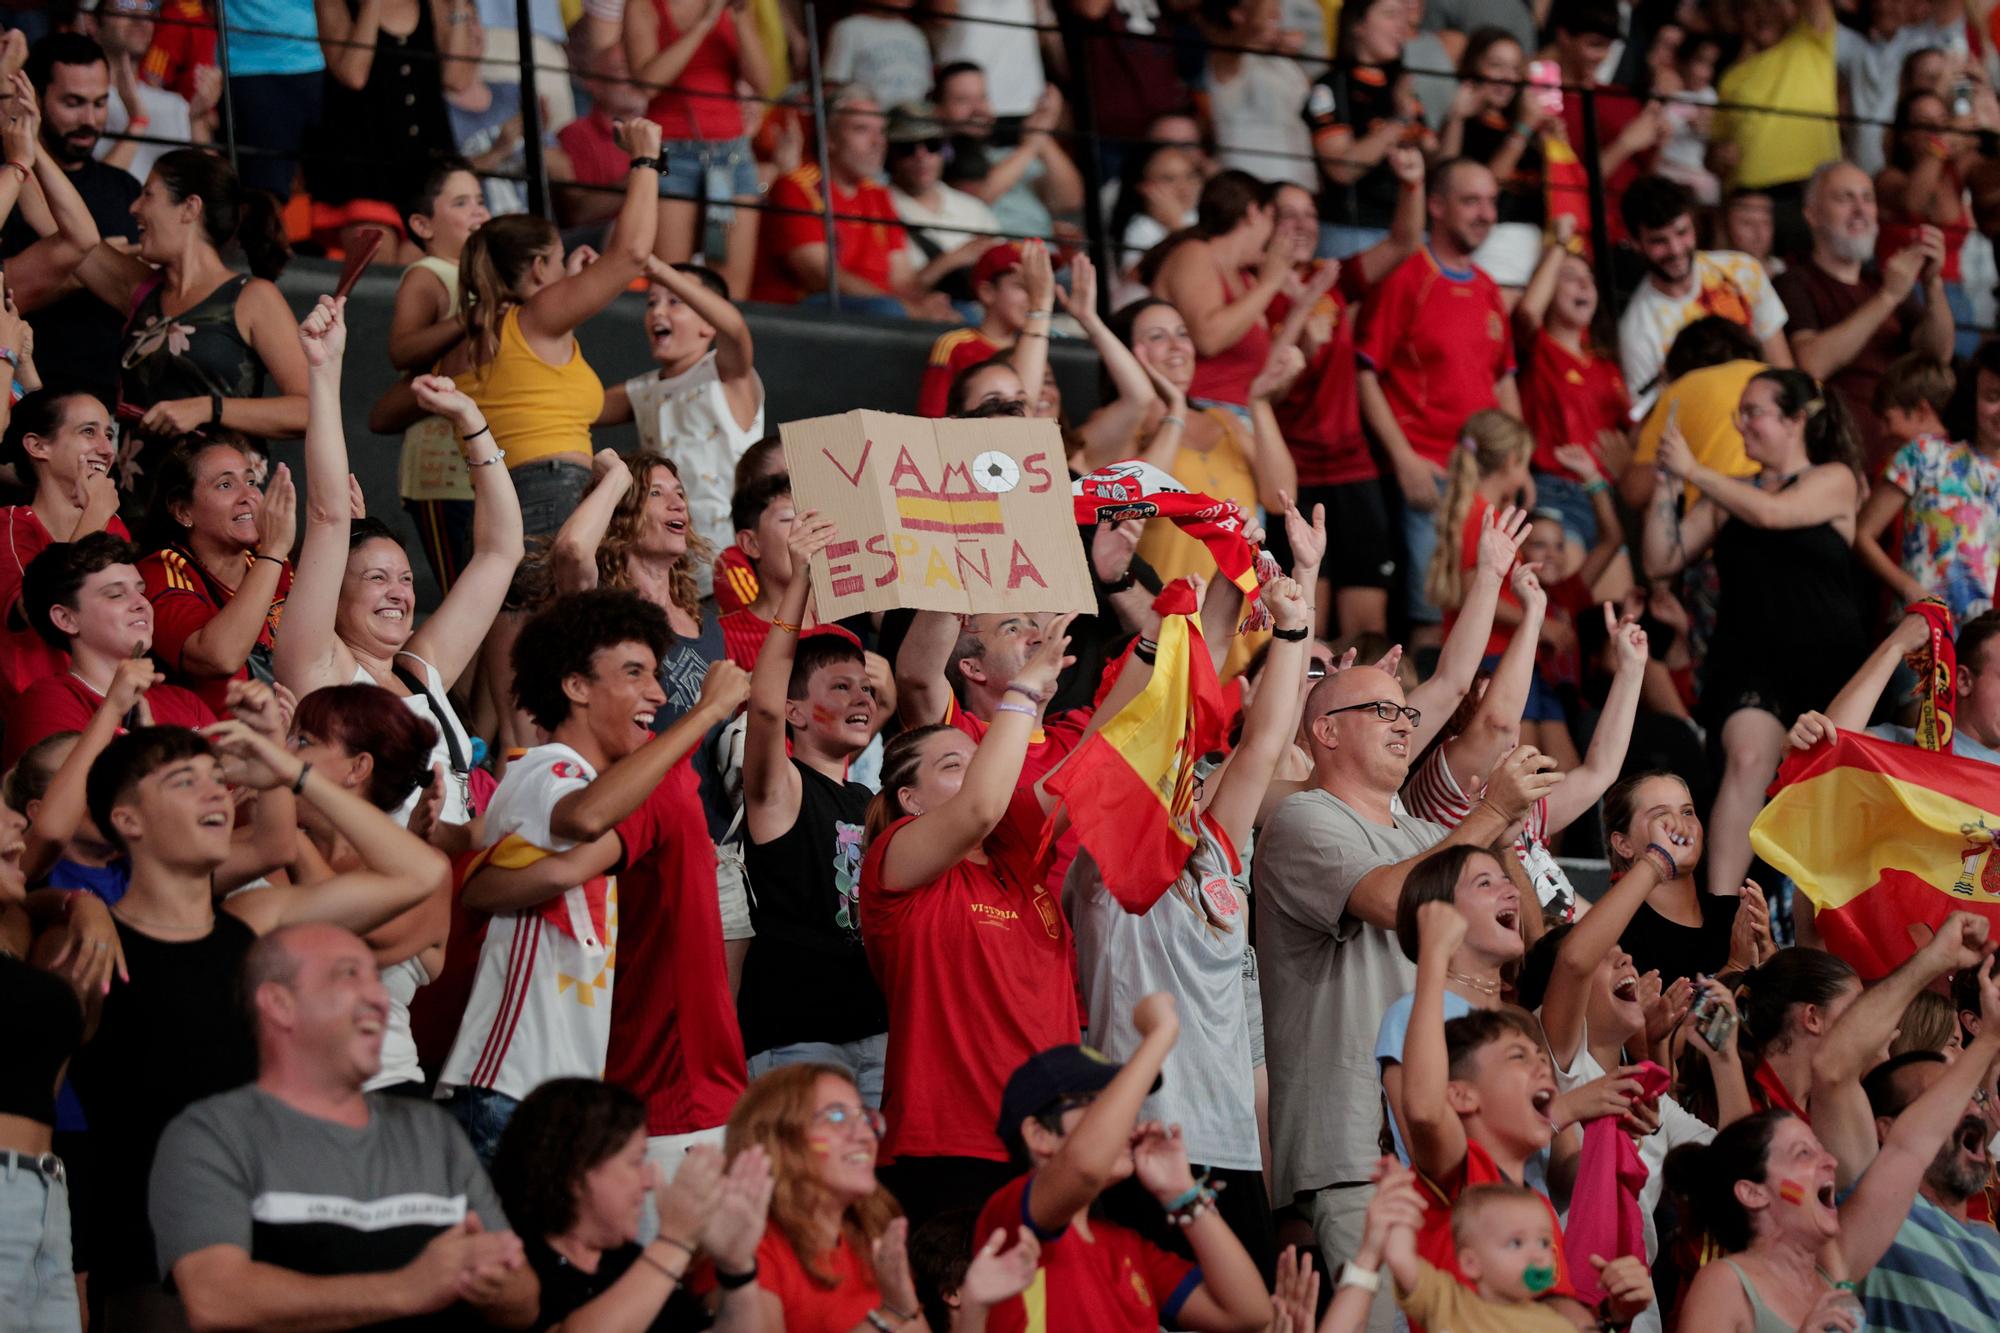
[{"x": 1047, "y": 1077}]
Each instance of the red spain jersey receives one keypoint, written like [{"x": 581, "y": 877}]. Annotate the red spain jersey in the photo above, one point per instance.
[
  {"x": 1321, "y": 417},
  {"x": 865, "y": 228},
  {"x": 1111, "y": 1279},
  {"x": 1437, "y": 339},
  {"x": 1567, "y": 399},
  {"x": 185, "y": 598},
  {"x": 951, "y": 354}
]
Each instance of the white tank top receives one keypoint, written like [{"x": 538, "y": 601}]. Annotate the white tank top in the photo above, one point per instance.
[
  {"x": 457, "y": 794},
  {"x": 688, "y": 419},
  {"x": 399, "y": 1047}
]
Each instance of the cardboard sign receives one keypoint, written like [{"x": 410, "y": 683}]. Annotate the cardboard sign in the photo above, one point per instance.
[{"x": 966, "y": 516}]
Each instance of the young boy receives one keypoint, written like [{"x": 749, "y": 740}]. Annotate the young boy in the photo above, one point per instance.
[
  {"x": 586, "y": 670},
  {"x": 1911, "y": 397},
  {"x": 445, "y": 210},
  {"x": 87, "y": 599},
  {"x": 735, "y": 575},
  {"x": 704, "y": 407},
  {"x": 1011, "y": 312},
  {"x": 807, "y": 989},
  {"x": 762, "y": 515},
  {"x": 1070, "y": 1116},
  {"x": 1479, "y": 1100}
]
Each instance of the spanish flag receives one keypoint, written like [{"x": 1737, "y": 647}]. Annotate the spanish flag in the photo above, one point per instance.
[
  {"x": 1885, "y": 839},
  {"x": 1129, "y": 789}
]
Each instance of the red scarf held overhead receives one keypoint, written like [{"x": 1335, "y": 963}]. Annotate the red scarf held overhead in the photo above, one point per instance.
[
  {"x": 1139, "y": 490},
  {"x": 1936, "y": 665}
]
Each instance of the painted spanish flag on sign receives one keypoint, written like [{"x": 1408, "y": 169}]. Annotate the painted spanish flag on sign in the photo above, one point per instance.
[
  {"x": 1129, "y": 788},
  {"x": 1886, "y": 840}
]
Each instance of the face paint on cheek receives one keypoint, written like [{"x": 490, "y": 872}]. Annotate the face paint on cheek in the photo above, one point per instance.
[
  {"x": 1538, "y": 1278},
  {"x": 1792, "y": 1192},
  {"x": 823, "y": 715}
]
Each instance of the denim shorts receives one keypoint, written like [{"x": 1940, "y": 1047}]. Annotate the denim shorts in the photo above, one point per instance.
[
  {"x": 865, "y": 1060},
  {"x": 1569, "y": 499},
  {"x": 717, "y": 170},
  {"x": 550, "y": 491},
  {"x": 483, "y": 1114},
  {"x": 37, "y": 1284}
]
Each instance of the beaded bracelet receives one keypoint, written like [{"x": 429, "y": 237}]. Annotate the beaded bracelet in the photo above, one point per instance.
[
  {"x": 1009, "y": 707},
  {"x": 1673, "y": 867}
]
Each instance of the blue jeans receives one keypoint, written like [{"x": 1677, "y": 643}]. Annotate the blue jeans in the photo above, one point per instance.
[
  {"x": 715, "y": 170},
  {"x": 483, "y": 1114},
  {"x": 1567, "y": 498},
  {"x": 549, "y": 491},
  {"x": 274, "y": 113},
  {"x": 37, "y": 1281},
  {"x": 863, "y": 1060},
  {"x": 1338, "y": 240},
  {"x": 882, "y": 307},
  {"x": 1419, "y": 542}
]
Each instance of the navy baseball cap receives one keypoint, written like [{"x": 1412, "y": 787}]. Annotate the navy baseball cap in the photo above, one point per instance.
[{"x": 1046, "y": 1078}]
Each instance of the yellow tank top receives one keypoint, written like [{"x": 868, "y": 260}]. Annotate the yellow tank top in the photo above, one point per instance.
[
  {"x": 1222, "y": 473},
  {"x": 536, "y": 410}
]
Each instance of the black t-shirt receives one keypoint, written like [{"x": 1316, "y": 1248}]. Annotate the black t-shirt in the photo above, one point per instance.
[
  {"x": 46, "y": 1037},
  {"x": 806, "y": 977},
  {"x": 567, "y": 1288},
  {"x": 1521, "y": 192},
  {"x": 1357, "y": 99},
  {"x": 1681, "y": 951},
  {"x": 174, "y": 1034},
  {"x": 76, "y": 339}
]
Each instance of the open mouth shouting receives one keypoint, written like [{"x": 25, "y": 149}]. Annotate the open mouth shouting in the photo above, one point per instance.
[
  {"x": 1627, "y": 990},
  {"x": 1544, "y": 1099}
]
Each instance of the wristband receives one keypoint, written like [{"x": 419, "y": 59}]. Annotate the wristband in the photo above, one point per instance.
[
  {"x": 215, "y": 409},
  {"x": 11, "y": 357},
  {"x": 1291, "y": 635},
  {"x": 736, "y": 1281},
  {"x": 299, "y": 783},
  {"x": 25, "y": 173},
  {"x": 1594, "y": 485},
  {"x": 1172, "y": 419},
  {"x": 1146, "y": 651},
  {"x": 877, "y": 1322},
  {"x": 483, "y": 430},
  {"x": 1126, "y": 580},
  {"x": 1025, "y": 691},
  {"x": 279, "y": 561},
  {"x": 1008, "y": 706},
  {"x": 1673, "y": 866},
  {"x": 1034, "y": 333},
  {"x": 680, "y": 1245},
  {"x": 1032, "y": 314},
  {"x": 1185, "y": 1198},
  {"x": 1524, "y": 129},
  {"x": 1368, "y": 1279},
  {"x": 499, "y": 456},
  {"x": 664, "y": 1271},
  {"x": 644, "y": 164},
  {"x": 785, "y": 625}
]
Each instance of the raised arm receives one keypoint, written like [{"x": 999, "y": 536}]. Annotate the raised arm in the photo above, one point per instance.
[
  {"x": 423, "y": 326},
  {"x": 64, "y": 805},
  {"x": 1541, "y": 289},
  {"x": 1406, "y": 228},
  {"x": 735, "y": 351},
  {"x": 1883, "y": 506},
  {"x": 308, "y": 655},
  {"x": 1605, "y": 760},
  {"x": 573, "y": 554},
  {"x": 1501, "y": 534},
  {"x": 1824, "y": 352},
  {"x": 770, "y": 783},
  {"x": 1273, "y": 718},
  {"x": 1107, "y": 434},
  {"x": 1217, "y": 323},
  {"x": 923, "y": 694},
  {"x": 593, "y": 811},
  {"x": 655, "y": 66},
  {"x": 1610, "y": 528},
  {"x": 1496, "y": 724},
  {"x": 449, "y": 640},
  {"x": 566, "y": 303},
  {"x": 938, "y": 839},
  {"x": 1269, "y": 457},
  {"x": 1825, "y": 494},
  {"x": 223, "y": 645},
  {"x": 1431, "y": 1128},
  {"x": 1672, "y": 540},
  {"x": 1855, "y": 704},
  {"x": 1566, "y": 1002}
]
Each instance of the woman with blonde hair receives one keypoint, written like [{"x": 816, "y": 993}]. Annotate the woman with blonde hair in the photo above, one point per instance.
[{"x": 834, "y": 1251}]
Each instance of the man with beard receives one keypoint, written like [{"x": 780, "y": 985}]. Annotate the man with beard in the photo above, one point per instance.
[
  {"x": 1942, "y": 1269},
  {"x": 1683, "y": 284},
  {"x": 1849, "y": 319},
  {"x": 76, "y": 335}
]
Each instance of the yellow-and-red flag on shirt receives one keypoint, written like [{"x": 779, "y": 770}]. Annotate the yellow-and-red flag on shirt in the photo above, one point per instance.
[
  {"x": 1883, "y": 838},
  {"x": 1129, "y": 788}
]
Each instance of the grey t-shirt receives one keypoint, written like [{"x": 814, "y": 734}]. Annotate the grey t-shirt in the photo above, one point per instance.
[
  {"x": 289, "y": 1189},
  {"x": 1327, "y": 979},
  {"x": 1190, "y": 944}
]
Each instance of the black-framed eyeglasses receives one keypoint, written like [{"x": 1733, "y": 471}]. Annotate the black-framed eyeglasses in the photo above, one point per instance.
[{"x": 1384, "y": 709}]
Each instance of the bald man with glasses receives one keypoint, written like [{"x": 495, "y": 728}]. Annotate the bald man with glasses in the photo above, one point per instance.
[{"x": 1330, "y": 865}]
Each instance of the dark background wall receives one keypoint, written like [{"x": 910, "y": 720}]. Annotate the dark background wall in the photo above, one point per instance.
[{"x": 813, "y": 364}]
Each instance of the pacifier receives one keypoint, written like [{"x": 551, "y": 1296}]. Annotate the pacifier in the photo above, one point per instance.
[{"x": 1538, "y": 1278}]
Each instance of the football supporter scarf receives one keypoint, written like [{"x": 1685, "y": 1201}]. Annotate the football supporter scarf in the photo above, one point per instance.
[
  {"x": 1139, "y": 490},
  {"x": 1566, "y": 187},
  {"x": 515, "y": 852},
  {"x": 1886, "y": 840},
  {"x": 1936, "y": 665},
  {"x": 1129, "y": 788},
  {"x": 1605, "y": 1220}
]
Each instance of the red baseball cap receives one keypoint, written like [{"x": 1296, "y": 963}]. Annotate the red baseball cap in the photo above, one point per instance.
[{"x": 996, "y": 262}]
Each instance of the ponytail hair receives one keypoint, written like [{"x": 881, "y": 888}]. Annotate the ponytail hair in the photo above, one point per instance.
[
  {"x": 251, "y": 219},
  {"x": 900, "y": 760},
  {"x": 1831, "y": 436},
  {"x": 1707, "y": 1176},
  {"x": 1766, "y": 995},
  {"x": 1491, "y": 441},
  {"x": 496, "y": 258}
]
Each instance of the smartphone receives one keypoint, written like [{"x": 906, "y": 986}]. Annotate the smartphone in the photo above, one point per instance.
[
  {"x": 1546, "y": 80},
  {"x": 1961, "y": 99},
  {"x": 1713, "y": 1019},
  {"x": 1316, "y": 669}
]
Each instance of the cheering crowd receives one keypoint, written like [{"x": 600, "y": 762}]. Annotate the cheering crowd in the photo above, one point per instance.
[{"x": 617, "y": 944}]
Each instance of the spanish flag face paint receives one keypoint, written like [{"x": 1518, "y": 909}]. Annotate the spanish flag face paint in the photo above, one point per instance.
[{"x": 1792, "y": 1192}]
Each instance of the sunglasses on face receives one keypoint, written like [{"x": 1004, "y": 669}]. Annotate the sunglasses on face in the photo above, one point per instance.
[{"x": 928, "y": 145}]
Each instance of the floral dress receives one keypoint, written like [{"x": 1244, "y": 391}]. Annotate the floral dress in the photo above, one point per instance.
[
  {"x": 194, "y": 354},
  {"x": 1951, "y": 522}
]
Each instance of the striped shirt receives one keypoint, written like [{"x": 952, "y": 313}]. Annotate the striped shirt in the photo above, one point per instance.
[
  {"x": 1433, "y": 793},
  {"x": 1939, "y": 1276}
]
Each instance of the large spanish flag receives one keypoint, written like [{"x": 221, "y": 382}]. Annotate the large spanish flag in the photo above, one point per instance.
[
  {"x": 1129, "y": 789},
  {"x": 1884, "y": 839}
]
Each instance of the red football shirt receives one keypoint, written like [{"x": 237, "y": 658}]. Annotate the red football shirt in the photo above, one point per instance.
[
  {"x": 1049, "y": 746},
  {"x": 810, "y": 1305},
  {"x": 1321, "y": 417},
  {"x": 1112, "y": 1279},
  {"x": 950, "y": 355},
  {"x": 976, "y": 967},
  {"x": 1468, "y": 561},
  {"x": 1434, "y": 1242},
  {"x": 594, "y": 156},
  {"x": 674, "y": 1039},
  {"x": 24, "y": 657},
  {"x": 735, "y": 581},
  {"x": 743, "y": 635},
  {"x": 1568, "y": 398},
  {"x": 865, "y": 228},
  {"x": 61, "y": 702},
  {"x": 1437, "y": 339},
  {"x": 184, "y": 601}
]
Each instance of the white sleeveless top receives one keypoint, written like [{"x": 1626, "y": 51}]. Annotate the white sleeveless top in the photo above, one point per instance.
[
  {"x": 688, "y": 419},
  {"x": 457, "y": 807},
  {"x": 399, "y": 1047}
]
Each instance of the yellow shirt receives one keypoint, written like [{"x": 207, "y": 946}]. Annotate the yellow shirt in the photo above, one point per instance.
[
  {"x": 1222, "y": 473},
  {"x": 1705, "y": 401},
  {"x": 536, "y": 410},
  {"x": 1441, "y": 1303},
  {"x": 1796, "y": 75}
]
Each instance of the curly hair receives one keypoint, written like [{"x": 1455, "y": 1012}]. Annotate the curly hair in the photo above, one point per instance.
[
  {"x": 775, "y": 1113},
  {"x": 564, "y": 638},
  {"x": 623, "y": 532},
  {"x": 559, "y": 1133}
]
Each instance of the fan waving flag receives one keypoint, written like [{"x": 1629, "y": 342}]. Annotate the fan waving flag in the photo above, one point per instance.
[
  {"x": 1885, "y": 839},
  {"x": 1139, "y": 490},
  {"x": 1129, "y": 789}
]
